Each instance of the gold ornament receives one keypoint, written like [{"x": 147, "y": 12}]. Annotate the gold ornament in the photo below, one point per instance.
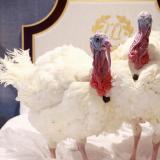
[
  {"x": 100, "y": 22},
  {"x": 117, "y": 29},
  {"x": 126, "y": 24}
]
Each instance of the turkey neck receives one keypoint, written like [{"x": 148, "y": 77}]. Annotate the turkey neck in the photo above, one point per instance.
[
  {"x": 138, "y": 54},
  {"x": 101, "y": 74}
]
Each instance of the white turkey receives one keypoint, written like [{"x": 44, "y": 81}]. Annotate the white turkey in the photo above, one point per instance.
[
  {"x": 66, "y": 97},
  {"x": 143, "y": 55},
  {"x": 65, "y": 100}
]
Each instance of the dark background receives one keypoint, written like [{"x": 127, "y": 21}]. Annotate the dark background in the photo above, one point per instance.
[{"x": 14, "y": 14}]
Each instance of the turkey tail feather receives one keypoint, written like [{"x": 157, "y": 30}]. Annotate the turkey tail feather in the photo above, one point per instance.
[{"x": 14, "y": 66}]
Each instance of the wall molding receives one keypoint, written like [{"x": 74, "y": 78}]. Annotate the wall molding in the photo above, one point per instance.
[{"x": 29, "y": 30}]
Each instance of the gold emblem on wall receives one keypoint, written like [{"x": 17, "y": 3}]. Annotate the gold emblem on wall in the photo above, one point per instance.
[{"x": 118, "y": 28}]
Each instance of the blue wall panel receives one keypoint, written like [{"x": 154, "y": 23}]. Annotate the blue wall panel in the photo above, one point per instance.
[{"x": 13, "y": 14}]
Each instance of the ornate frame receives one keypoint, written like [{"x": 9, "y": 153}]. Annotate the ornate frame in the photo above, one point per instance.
[{"x": 28, "y": 31}]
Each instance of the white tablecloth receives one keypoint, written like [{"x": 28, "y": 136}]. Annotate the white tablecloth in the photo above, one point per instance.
[{"x": 20, "y": 141}]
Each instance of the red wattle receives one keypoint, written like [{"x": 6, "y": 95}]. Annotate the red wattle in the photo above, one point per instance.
[
  {"x": 101, "y": 75},
  {"x": 101, "y": 86},
  {"x": 138, "y": 54},
  {"x": 145, "y": 59},
  {"x": 138, "y": 62}
]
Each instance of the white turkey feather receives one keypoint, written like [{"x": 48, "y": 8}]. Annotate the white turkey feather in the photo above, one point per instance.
[
  {"x": 61, "y": 100},
  {"x": 63, "y": 104},
  {"x": 147, "y": 88}
]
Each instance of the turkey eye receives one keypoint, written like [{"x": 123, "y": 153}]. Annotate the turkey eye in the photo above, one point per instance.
[{"x": 97, "y": 39}]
